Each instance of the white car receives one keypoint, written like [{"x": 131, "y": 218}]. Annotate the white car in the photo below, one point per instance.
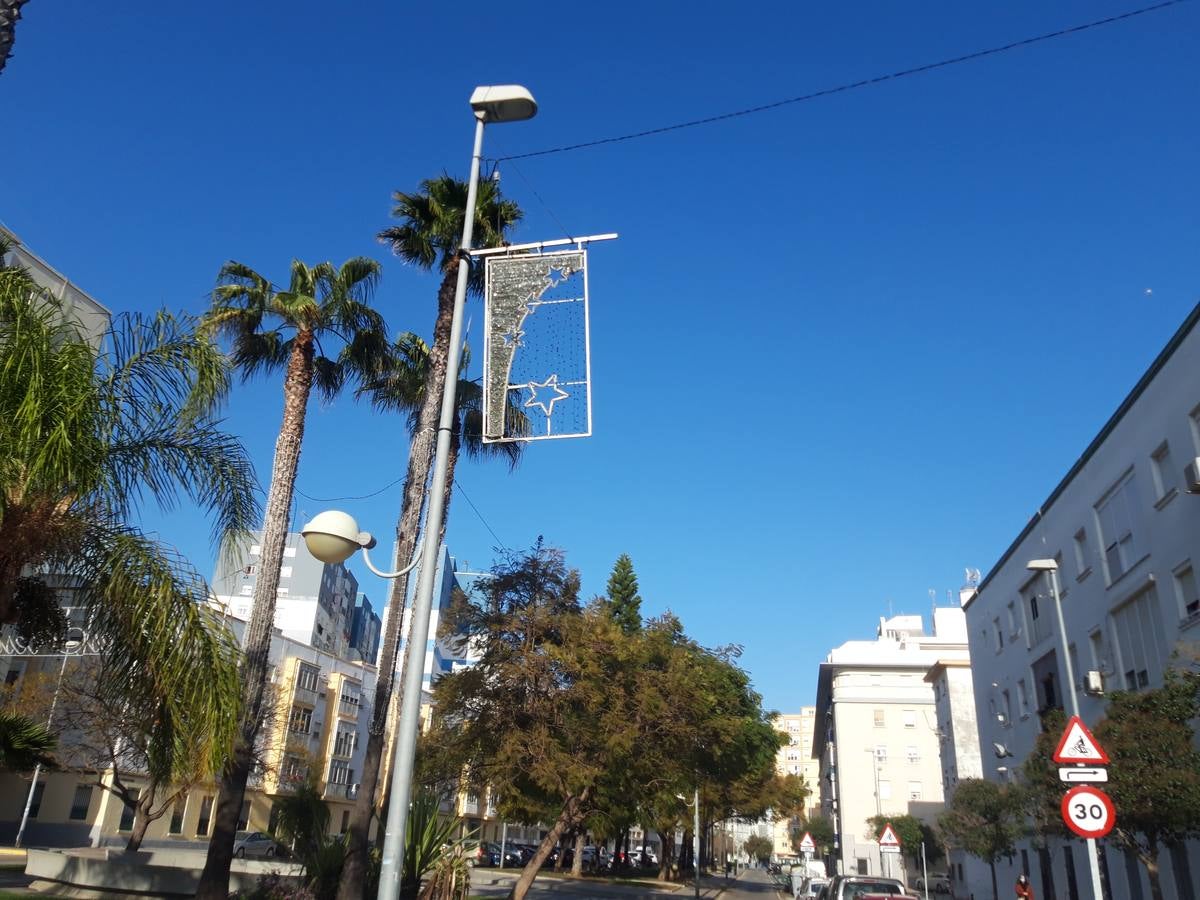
[{"x": 254, "y": 844}]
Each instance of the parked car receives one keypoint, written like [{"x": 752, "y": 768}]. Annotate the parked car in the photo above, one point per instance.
[
  {"x": 810, "y": 888},
  {"x": 853, "y": 887},
  {"x": 255, "y": 844},
  {"x": 643, "y": 856},
  {"x": 938, "y": 884},
  {"x": 486, "y": 854},
  {"x": 594, "y": 858}
]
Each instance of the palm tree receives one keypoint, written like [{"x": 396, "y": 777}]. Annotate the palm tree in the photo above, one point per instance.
[
  {"x": 86, "y": 430},
  {"x": 429, "y": 235},
  {"x": 272, "y": 329}
]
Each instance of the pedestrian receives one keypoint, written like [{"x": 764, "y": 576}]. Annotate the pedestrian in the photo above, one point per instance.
[{"x": 1024, "y": 888}]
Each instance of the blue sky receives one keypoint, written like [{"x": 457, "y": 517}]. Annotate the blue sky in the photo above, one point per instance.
[{"x": 841, "y": 350}]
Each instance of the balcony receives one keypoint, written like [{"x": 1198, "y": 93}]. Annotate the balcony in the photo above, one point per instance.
[
  {"x": 470, "y": 806},
  {"x": 341, "y": 792},
  {"x": 349, "y": 710}
]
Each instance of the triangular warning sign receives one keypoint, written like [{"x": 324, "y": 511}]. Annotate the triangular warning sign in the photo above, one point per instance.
[
  {"x": 1077, "y": 745},
  {"x": 888, "y": 837},
  {"x": 807, "y": 842}
]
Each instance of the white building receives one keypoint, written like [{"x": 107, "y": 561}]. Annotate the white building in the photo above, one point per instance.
[
  {"x": 91, "y": 315},
  {"x": 958, "y": 735},
  {"x": 877, "y": 731},
  {"x": 1126, "y": 536}
]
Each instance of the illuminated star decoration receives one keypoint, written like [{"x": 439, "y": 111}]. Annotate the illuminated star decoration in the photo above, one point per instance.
[
  {"x": 513, "y": 338},
  {"x": 548, "y": 387}
]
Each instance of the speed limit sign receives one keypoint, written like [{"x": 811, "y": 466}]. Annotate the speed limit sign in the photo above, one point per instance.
[{"x": 1088, "y": 812}]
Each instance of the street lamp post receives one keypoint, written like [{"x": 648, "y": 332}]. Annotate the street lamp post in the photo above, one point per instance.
[
  {"x": 70, "y": 648},
  {"x": 491, "y": 104},
  {"x": 1051, "y": 566}
]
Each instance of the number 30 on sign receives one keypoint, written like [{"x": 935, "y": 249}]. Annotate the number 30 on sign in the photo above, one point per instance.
[{"x": 1088, "y": 812}]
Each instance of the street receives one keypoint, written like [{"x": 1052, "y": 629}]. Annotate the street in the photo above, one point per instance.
[{"x": 752, "y": 883}]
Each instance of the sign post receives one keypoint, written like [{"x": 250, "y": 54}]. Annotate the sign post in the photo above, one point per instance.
[
  {"x": 1086, "y": 809},
  {"x": 889, "y": 844}
]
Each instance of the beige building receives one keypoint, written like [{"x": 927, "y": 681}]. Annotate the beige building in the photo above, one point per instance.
[
  {"x": 878, "y": 743},
  {"x": 795, "y": 758},
  {"x": 315, "y": 726}
]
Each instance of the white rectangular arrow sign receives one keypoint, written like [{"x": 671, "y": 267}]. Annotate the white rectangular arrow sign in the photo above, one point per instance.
[{"x": 1082, "y": 773}]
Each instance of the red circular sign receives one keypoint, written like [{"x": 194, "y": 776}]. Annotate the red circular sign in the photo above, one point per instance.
[{"x": 1088, "y": 812}]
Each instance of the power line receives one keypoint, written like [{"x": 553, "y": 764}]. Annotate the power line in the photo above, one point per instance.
[
  {"x": 356, "y": 497},
  {"x": 499, "y": 543},
  {"x": 866, "y": 82}
]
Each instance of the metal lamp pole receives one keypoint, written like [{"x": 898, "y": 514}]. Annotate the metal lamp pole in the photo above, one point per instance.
[
  {"x": 37, "y": 770},
  {"x": 1051, "y": 566},
  {"x": 496, "y": 104},
  {"x": 696, "y": 839}
]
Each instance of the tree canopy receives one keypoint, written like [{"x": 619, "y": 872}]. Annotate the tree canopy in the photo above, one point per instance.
[{"x": 985, "y": 819}]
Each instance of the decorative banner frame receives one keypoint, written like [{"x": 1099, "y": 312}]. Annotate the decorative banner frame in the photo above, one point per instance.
[{"x": 537, "y": 367}]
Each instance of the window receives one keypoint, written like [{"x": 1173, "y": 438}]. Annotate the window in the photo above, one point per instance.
[
  {"x": 12, "y": 676},
  {"x": 1163, "y": 471},
  {"x": 1185, "y": 591},
  {"x": 881, "y": 752},
  {"x": 1083, "y": 555},
  {"x": 912, "y": 754},
  {"x": 1022, "y": 698},
  {"x": 879, "y": 718},
  {"x": 1115, "y": 515},
  {"x": 346, "y": 812},
  {"x": 244, "y": 816},
  {"x": 914, "y": 790},
  {"x": 247, "y": 590},
  {"x": 1039, "y": 616},
  {"x": 300, "y": 721},
  {"x": 129, "y": 810},
  {"x": 885, "y": 790},
  {"x": 249, "y": 570},
  {"x": 1006, "y": 711},
  {"x": 285, "y": 571},
  {"x": 308, "y": 677},
  {"x": 289, "y": 552},
  {"x": 1073, "y": 655},
  {"x": 340, "y": 772},
  {"x": 351, "y": 697},
  {"x": 1136, "y": 629},
  {"x": 910, "y": 718},
  {"x": 999, "y": 634},
  {"x": 36, "y": 806},
  {"x": 346, "y": 742},
  {"x": 1096, "y": 642},
  {"x": 177, "y": 811},
  {"x": 202, "y": 822},
  {"x": 1013, "y": 630},
  {"x": 81, "y": 802}
]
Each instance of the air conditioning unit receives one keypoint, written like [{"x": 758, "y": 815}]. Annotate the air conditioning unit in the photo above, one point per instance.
[
  {"x": 1191, "y": 476},
  {"x": 1093, "y": 683}
]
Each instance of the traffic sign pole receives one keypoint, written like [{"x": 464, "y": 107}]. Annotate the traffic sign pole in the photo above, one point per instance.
[{"x": 1093, "y": 856}]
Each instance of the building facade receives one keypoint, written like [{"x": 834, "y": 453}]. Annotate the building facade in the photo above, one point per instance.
[
  {"x": 1125, "y": 533},
  {"x": 76, "y": 302},
  {"x": 796, "y": 758},
  {"x": 876, "y": 736}
]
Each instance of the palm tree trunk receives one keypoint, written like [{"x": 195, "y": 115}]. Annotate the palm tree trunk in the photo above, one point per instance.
[
  {"x": 420, "y": 460},
  {"x": 297, "y": 384}
]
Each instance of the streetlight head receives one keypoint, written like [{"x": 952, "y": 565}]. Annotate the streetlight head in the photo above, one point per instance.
[
  {"x": 333, "y": 536},
  {"x": 503, "y": 103},
  {"x": 1042, "y": 565}
]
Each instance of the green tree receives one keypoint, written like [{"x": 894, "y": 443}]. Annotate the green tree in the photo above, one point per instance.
[
  {"x": 428, "y": 235},
  {"x": 1154, "y": 783},
  {"x": 758, "y": 847},
  {"x": 984, "y": 819},
  {"x": 87, "y": 429},
  {"x": 911, "y": 832},
  {"x": 321, "y": 333},
  {"x": 625, "y": 604},
  {"x": 822, "y": 832}
]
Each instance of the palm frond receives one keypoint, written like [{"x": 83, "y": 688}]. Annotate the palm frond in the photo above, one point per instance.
[{"x": 24, "y": 743}]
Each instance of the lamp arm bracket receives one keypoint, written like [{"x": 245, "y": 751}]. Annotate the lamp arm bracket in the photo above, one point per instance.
[{"x": 390, "y": 575}]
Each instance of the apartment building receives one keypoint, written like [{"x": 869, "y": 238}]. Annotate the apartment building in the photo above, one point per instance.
[
  {"x": 1125, "y": 532},
  {"x": 314, "y": 602},
  {"x": 315, "y": 726},
  {"x": 876, "y": 736},
  {"x": 795, "y": 758},
  {"x": 75, "y": 301}
]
